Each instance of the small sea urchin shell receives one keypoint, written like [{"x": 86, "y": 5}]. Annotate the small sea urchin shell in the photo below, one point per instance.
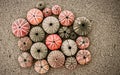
[
  {"x": 53, "y": 42},
  {"x": 24, "y": 43},
  {"x": 70, "y": 63},
  {"x": 40, "y": 5},
  {"x": 82, "y": 42},
  {"x": 56, "y": 59},
  {"x": 82, "y": 26},
  {"x": 37, "y": 34},
  {"x": 83, "y": 57},
  {"x": 47, "y": 12},
  {"x": 66, "y": 18},
  {"x": 39, "y": 50},
  {"x": 41, "y": 66},
  {"x": 20, "y": 27},
  {"x": 35, "y": 16},
  {"x": 69, "y": 47},
  {"x": 64, "y": 32},
  {"x": 56, "y": 9},
  {"x": 50, "y": 24},
  {"x": 25, "y": 60}
]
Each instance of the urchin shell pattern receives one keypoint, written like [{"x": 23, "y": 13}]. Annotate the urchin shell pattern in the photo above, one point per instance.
[
  {"x": 35, "y": 16},
  {"x": 50, "y": 24},
  {"x": 64, "y": 32},
  {"x": 82, "y": 42},
  {"x": 37, "y": 34},
  {"x": 25, "y": 60},
  {"x": 69, "y": 47},
  {"x": 41, "y": 66},
  {"x": 70, "y": 63},
  {"x": 53, "y": 42},
  {"x": 20, "y": 27},
  {"x": 24, "y": 43},
  {"x": 83, "y": 57},
  {"x": 56, "y": 9},
  {"x": 40, "y": 5},
  {"x": 82, "y": 26},
  {"x": 66, "y": 18},
  {"x": 56, "y": 59},
  {"x": 39, "y": 50},
  {"x": 47, "y": 12}
]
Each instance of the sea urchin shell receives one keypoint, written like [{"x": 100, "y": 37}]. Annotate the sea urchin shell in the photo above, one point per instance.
[
  {"x": 40, "y": 5},
  {"x": 56, "y": 9}
]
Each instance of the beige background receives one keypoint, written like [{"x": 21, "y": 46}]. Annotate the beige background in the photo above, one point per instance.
[{"x": 105, "y": 36}]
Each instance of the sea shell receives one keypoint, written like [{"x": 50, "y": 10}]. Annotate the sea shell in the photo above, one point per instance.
[
  {"x": 35, "y": 16},
  {"x": 47, "y": 12},
  {"x": 69, "y": 47},
  {"x": 53, "y": 42},
  {"x": 24, "y": 43},
  {"x": 56, "y": 59},
  {"x": 50, "y": 24},
  {"x": 64, "y": 32},
  {"x": 25, "y": 60},
  {"x": 41, "y": 66},
  {"x": 82, "y": 26},
  {"x": 39, "y": 50},
  {"x": 66, "y": 18},
  {"x": 70, "y": 63},
  {"x": 37, "y": 34},
  {"x": 41, "y": 5},
  {"x": 20, "y": 27},
  {"x": 83, "y": 57},
  {"x": 56, "y": 9},
  {"x": 82, "y": 42}
]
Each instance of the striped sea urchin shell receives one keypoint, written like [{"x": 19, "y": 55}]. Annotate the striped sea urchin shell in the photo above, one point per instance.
[
  {"x": 64, "y": 32},
  {"x": 20, "y": 27},
  {"x": 41, "y": 66},
  {"x": 83, "y": 57},
  {"x": 70, "y": 63},
  {"x": 47, "y": 12},
  {"x": 24, "y": 43},
  {"x": 53, "y": 42},
  {"x": 82, "y": 26},
  {"x": 37, "y": 34},
  {"x": 56, "y": 9},
  {"x": 69, "y": 47},
  {"x": 35, "y": 16},
  {"x": 40, "y": 5},
  {"x": 56, "y": 59},
  {"x": 50, "y": 24},
  {"x": 39, "y": 50},
  {"x": 66, "y": 18},
  {"x": 25, "y": 60},
  {"x": 82, "y": 42}
]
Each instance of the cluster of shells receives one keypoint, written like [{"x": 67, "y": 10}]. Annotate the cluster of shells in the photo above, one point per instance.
[{"x": 52, "y": 37}]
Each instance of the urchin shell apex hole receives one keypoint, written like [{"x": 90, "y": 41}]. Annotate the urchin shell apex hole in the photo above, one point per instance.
[
  {"x": 64, "y": 31},
  {"x": 84, "y": 57},
  {"x": 25, "y": 60},
  {"x": 51, "y": 24},
  {"x": 19, "y": 26},
  {"x": 36, "y": 34},
  {"x": 41, "y": 66},
  {"x": 40, "y": 4},
  {"x": 38, "y": 50},
  {"x": 67, "y": 17},
  {"x": 69, "y": 47},
  {"x": 24, "y": 43},
  {"x": 33, "y": 15},
  {"x": 83, "y": 25}
]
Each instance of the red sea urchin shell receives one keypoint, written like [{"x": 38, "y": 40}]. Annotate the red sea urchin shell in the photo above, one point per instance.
[
  {"x": 56, "y": 9},
  {"x": 35, "y": 16},
  {"x": 47, "y": 12},
  {"x": 83, "y": 57},
  {"x": 41, "y": 66},
  {"x": 66, "y": 18},
  {"x": 24, "y": 43},
  {"x": 25, "y": 60},
  {"x": 53, "y": 42},
  {"x": 20, "y": 27},
  {"x": 56, "y": 59},
  {"x": 82, "y": 42}
]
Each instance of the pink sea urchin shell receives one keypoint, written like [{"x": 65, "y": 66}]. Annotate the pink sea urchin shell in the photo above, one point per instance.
[
  {"x": 56, "y": 9},
  {"x": 66, "y": 18},
  {"x": 53, "y": 42},
  {"x": 20, "y": 27},
  {"x": 47, "y": 12},
  {"x": 25, "y": 60}
]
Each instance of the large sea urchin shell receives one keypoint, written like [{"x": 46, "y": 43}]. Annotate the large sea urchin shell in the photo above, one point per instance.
[
  {"x": 69, "y": 47},
  {"x": 39, "y": 50},
  {"x": 82, "y": 26},
  {"x": 56, "y": 59}
]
